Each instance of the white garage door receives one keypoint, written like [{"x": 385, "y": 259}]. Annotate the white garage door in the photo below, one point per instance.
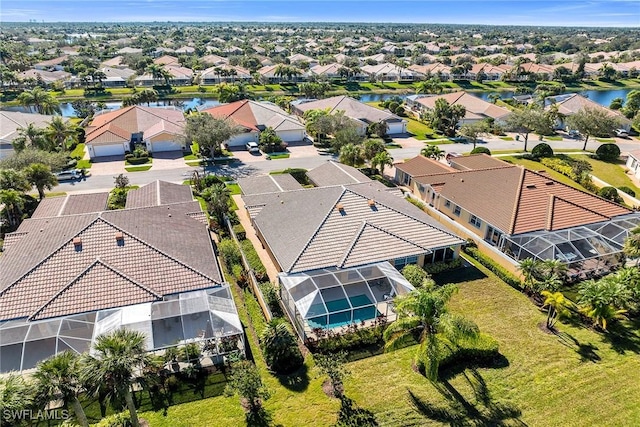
[
  {"x": 291, "y": 135},
  {"x": 107, "y": 150},
  {"x": 157, "y": 146},
  {"x": 243, "y": 138},
  {"x": 396, "y": 128}
]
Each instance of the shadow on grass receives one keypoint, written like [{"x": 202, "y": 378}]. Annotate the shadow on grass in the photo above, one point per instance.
[
  {"x": 261, "y": 418},
  {"x": 463, "y": 274},
  {"x": 477, "y": 410},
  {"x": 586, "y": 351},
  {"x": 352, "y": 415},
  {"x": 297, "y": 381},
  {"x": 497, "y": 362},
  {"x": 624, "y": 336}
]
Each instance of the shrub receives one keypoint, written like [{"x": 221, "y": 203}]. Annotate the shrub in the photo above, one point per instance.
[
  {"x": 280, "y": 349},
  {"x": 240, "y": 232},
  {"x": 128, "y": 156},
  {"x": 117, "y": 198},
  {"x": 393, "y": 106},
  {"x": 254, "y": 260},
  {"x": 627, "y": 190},
  {"x": 441, "y": 266},
  {"x": 230, "y": 253},
  {"x": 502, "y": 273},
  {"x": 122, "y": 419},
  {"x": 542, "y": 150},
  {"x": 479, "y": 150},
  {"x": 608, "y": 152},
  {"x": 351, "y": 338},
  {"x": 270, "y": 294},
  {"x": 610, "y": 193},
  {"x": 210, "y": 180},
  {"x": 414, "y": 275}
]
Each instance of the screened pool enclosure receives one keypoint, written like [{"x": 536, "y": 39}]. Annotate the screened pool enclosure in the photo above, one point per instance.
[
  {"x": 207, "y": 317},
  {"x": 333, "y": 298},
  {"x": 587, "y": 249}
]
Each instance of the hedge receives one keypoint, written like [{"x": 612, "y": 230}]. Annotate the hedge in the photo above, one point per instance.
[
  {"x": 352, "y": 338},
  {"x": 627, "y": 190},
  {"x": 502, "y": 273},
  {"x": 481, "y": 150},
  {"x": 440, "y": 266},
  {"x": 542, "y": 150},
  {"x": 254, "y": 260}
]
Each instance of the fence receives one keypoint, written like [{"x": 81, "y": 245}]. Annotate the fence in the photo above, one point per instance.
[{"x": 253, "y": 281}]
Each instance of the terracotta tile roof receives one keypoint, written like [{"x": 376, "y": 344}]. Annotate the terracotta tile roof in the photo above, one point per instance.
[
  {"x": 256, "y": 116},
  {"x": 421, "y": 165},
  {"x": 334, "y": 173},
  {"x": 158, "y": 193},
  {"x": 571, "y": 104},
  {"x": 477, "y": 161},
  {"x": 474, "y": 105},
  {"x": 318, "y": 235},
  {"x": 517, "y": 200},
  {"x": 46, "y": 274},
  {"x": 126, "y": 121},
  {"x": 352, "y": 108}
]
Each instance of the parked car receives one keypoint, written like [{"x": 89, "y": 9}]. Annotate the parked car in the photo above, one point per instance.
[
  {"x": 621, "y": 133},
  {"x": 252, "y": 147},
  {"x": 574, "y": 134},
  {"x": 71, "y": 175}
]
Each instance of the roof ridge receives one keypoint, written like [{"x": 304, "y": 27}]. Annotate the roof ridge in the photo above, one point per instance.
[
  {"x": 356, "y": 236},
  {"x": 582, "y": 207},
  {"x": 73, "y": 281},
  {"x": 550, "y": 209},
  {"x": 514, "y": 213},
  {"x": 457, "y": 171},
  {"x": 315, "y": 233}
]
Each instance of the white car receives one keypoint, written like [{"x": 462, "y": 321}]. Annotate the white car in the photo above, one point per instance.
[
  {"x": 621, "y": 133},
  {"x": 252, "y": 147}
]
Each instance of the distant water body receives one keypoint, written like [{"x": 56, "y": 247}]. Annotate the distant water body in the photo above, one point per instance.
[{"x": 602, "y": 97}]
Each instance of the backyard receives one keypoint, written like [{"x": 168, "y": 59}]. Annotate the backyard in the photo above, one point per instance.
[{"x": 543, "y": 379}]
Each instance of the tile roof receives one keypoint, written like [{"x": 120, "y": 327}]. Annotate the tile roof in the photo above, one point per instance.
[
  {"x": 71, "y": 204},
  {"x": 517, "y": 200},
  {"x": 45, "y": 274},
  {"x": 261, "y": 184},
  {"x": 352, "y": 108},
  {"x": 476, "y": 107},
  {"x": 158, "y": 193},
  {"x": 334, "y": 173},
  {"x": 11, "y": 121},
  {"x": 477, "y": 161},
  {"x": 256, "y": 115},
  {"x": 572, "y": 103},
  {"x": 317, "y": 235},
  {"x": 421, "y": 165}
]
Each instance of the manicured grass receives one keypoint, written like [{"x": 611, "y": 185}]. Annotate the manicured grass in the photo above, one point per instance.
[
  {"x": 606, "y": 140},
  {"x": 137, "y": 168},
  {"x": 78, "y": 151},
  {"x": 553, "y": 138},
  {"x": 84, "y": 164},
  {"x": 612, "y": 173},
  {"x": 194, "y": 163},
  {"x": 537, "y": 166},
  {"x": 149, "y": 160},
  {"x": 391, "y": 146},
  {"x": 506, "y": 138},
  {"x": 275, "y": 156},
  {"x": 422, "y": 131},
  {"x": 191, "y": 157},
  {"x": 234, "y": 189}
]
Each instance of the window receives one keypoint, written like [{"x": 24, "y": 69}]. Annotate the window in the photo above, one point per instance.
[
  {"x": 457, "y": 210},
  {"x": 475, "y": 221},
  {"x": 421, "y": 188},
  {"x": 447, "y": 204}
]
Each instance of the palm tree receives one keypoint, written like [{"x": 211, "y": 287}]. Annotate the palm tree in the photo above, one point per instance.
[
  {"x": 530, "y": 268},
  {"x": 58, "y": 132},
  {"x": 58, "y": 378},
  {"x": 30, "y": 137},
  {"x": 631, "y": 246},
  {"x": 156, "y": 72},
  {"x": 558, "y": 307},
  {"x": 424, "y": 311},
  {"x": 117, "y": 356},
  {"x": 600, "y": 300},
  {"x": 15, "y": 394},
  {"x": 14, "y": 205},
  {"x": 41, "y": 177},
  {"x": 433, "y": 152},
  {"x": 36, "y": 98},
  {"x": 351, "y": 155},
  {"x": 280, "y": 348},
  {"x": 217, "y": 198},
  {"x": 381, "y": 160}
]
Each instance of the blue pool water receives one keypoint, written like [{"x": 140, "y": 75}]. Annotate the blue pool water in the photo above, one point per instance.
[{"x": 336, "y": 320}]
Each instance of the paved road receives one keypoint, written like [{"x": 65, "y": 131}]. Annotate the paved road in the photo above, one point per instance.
[{"x": 411, "y": 148}]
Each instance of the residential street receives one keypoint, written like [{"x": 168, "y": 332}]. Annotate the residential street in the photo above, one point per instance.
[{"x": 307, "y": 159}]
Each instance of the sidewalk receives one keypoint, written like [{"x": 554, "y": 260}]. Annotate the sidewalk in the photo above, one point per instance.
[{"x": 243, "y": 215}]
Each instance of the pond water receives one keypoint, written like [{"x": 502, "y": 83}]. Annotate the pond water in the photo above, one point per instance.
[{"x": 602, "y": 97}]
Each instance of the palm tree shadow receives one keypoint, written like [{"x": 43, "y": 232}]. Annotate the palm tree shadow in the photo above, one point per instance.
[
  {"x": 297, "y": 381},
  {"x": 586, "y": 351},
  {"x": 460, "y": 411},
  {"x": 624, "y": 337}
]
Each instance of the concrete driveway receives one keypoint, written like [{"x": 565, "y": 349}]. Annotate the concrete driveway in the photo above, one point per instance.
[
  {"x": 167, "y": 160},
  {"x": 108, "y": 165}
]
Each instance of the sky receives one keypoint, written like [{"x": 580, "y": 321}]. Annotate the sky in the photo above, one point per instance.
[{"x": 594, "y": 13}]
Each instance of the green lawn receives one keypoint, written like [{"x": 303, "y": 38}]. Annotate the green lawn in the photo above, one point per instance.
[
  {"x": 537, "y": 166},
  {"x": 234, "y": 189},
  {"x": 606, "y": 140},
  {"x": 84, "y": 164},
  {"x": 543, "y": 380},
  {"x": 506, "y": 138},
  {"x": 276, "y": 156},
  {"x": 613, "y": 173},
  {"x": 137, "y": 168}
]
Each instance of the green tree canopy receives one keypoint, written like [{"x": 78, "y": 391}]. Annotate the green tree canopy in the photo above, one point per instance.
[
  {"x": 209, "y": 132},
  {"x": 593, "y": 122}
]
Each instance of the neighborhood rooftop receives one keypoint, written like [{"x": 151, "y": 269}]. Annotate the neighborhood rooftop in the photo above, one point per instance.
[
  {"x": 158, "y": 193},
  {"x": 334, "y": 173},
  {"x": 260, "y": 184}
]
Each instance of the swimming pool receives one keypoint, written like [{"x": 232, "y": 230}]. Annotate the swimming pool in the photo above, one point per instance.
[{"x": 362, "y": 310}]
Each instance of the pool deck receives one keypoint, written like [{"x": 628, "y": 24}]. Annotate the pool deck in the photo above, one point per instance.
[{"x": 382, "y": 308}]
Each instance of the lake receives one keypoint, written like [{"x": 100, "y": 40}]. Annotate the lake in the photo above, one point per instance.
[{"x": 602, "y": 97}]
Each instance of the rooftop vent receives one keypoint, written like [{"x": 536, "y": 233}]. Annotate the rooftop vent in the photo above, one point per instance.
[
  {"x": 371, "y": 202},
  {"x": 119, "y": 235},
  {"x": 77, "y": 244},
  {"x": 531, "y": 186},
  {"x": 548, "y": 183},
  {"x": 340, "y": 207}
]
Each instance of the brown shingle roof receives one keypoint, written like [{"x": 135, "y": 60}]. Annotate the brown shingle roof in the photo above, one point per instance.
[{"x": 164, "y": 251}]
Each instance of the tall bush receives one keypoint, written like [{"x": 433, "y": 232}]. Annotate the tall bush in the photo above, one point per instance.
[
  {"x": 608, "y": 152},
  {"x": 280, "y": 348},
  {"x": 542, "y": 150}
]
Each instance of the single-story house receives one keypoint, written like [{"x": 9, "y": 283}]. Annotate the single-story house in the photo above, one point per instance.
[
  {"x": 260, "y": 184},
  {"x": 362, "y": 114},
  {"x": 224, "y": 73},
  {"x": 96, "y": 271},
  {"x": 527, "y": 214},
  {"x": 11, "y": 121},
  {"x": 47, "y": 77},
  {"x": 253, "y": 117},
  {"x": 569, "y": 104},
  {"x": 114, "y": 132},
  {"x": 340, "y": 246},
  {"x": 55, "y": 64},
  {"x": 476, "y": 109},
  {"x": 387, "y": 72}
]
